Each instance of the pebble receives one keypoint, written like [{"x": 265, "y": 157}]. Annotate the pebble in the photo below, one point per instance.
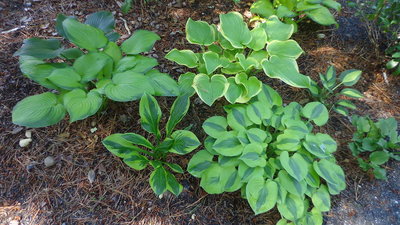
[
  {"x": 28, "y": 134},
  {"x": 321, "y": 36},
  {"x": 24, "y": 142},
  {"x": 14, "y": 222},
  {"x": 91, "y": 176},
  {"x": 49, "y": 161}
]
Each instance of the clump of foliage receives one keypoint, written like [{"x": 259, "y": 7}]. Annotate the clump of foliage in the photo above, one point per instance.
[
  {"x": 289, "y": 10},
  {"x": 137, "y": 152},
  {"x": 330, "y": 84},
  {"x": 374, "y": 143},
  {"x": 270, "y": 152},
  {"x": 231, "y": 56},
  {"x": 394, "y": 63},
  {"x": 83, "y": 77}
]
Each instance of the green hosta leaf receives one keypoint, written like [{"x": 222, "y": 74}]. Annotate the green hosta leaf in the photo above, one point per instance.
[
  {"x": 292, "y": 208},
  {"x": 321, "y": 199},
  {"x": 174, "y": 167},
  {"x": 128, "y": 86},
  {"x": 277, "y": 30},
  {"x": 258, "y": 111},
  {"x": 138, "y": 63},
  {"x": 258, "y": 136},
  {"x": 103, "y": 20},
  {"x": 322, "y": 16},
  {"x": 320, "y": 145},
  {"x": 379, "y": 157},
  {"x": 288, "y": 48},
  {"x": 228, "y": 161},
  {"x": 329, "y": 78},
  {"x": 316, "y": 112},
  {"x": 246, "y": 173},
  {"x": 178, "y": 111},
  {"x": 136, "y": 161},
  {"x": 208, "y": 145},
  {"x": 263, "y": 8},
  {"x": 200, "y": 32},
  {"x": 215, "y": 126},
  {"x": 81, "y": 105},
  {"x": 173, "y": 185},
  {"x": 312, "y": 178},
  {"x": 252, "y": 155},
  {"x": 71, "y": 53},
  {"x": 212, "y": 61},
  {"x": 150, "y": 114},
  {"x": 210, "y": 89},
  {"x": 341, "y": 110},
  {"x": 65, "y": 78},
  {"x": 283, "y": 11},
  {"x": 113, "y": 51},
  {"x": 158, "y": 180},
  {"x": 237, "y": 118},
  {"x": 40, "y": 48},
  {"x": 312, "y": 218},
  {"x": 248, "y": 63},
  {"x": 353, "y": 93},
  {"x": 140, "y": 41},
  {"x": 200, "y": 162},
  {"x": 261, "y": 194},
  {"x": 269, "y": 96},
  {"x": 234, "y": 90},
  {"x": 184, "y": 142},
  {"x": 252, "y": 86},
  {"x": 288, "y": 141},
  {"x": 218, "y": 179},
  {"x": 296, "y": 166},
  {"x": 38, "y": 111},
  {"x": 83, "y": 35},
  {"x": 136, "y": 139},
  {"x": 183, "y": 57},
  {"x": 332, "y": 4},
  {"x": 120, "y": 146},
  {"x": 163, "y": 84},
  {"x": 90, "y": 65},
  {"x": 228, "y": 144},
  {"x": 333, "y": 174},
  {"x": 291, "y": 185},
  {"x": 258, "y": 56},
  {"x": 232, "y": 68},
  {"x": 350, "y": 77},
  {"x": 380, "y": 173},
  {"x": 185, "y": 83},
  {"x": 259, "y": 39},
  {"x": 235, "y": 30},
  {"x": 297, "y": 128},
  {"x": 347, "y": 104},
  {"x": 285, "y": 69}
]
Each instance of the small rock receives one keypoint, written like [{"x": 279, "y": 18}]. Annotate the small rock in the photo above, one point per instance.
[
  {"x": 321, "y": 36},
  {"x": 17, "y": 130},
  {"x": 94, "y": 129},
  {"x": 14, "y": 222},
  {"x": 49, "y": 161},
  {"x": 193, "y": 216},
  {"x": 28, "y": 134},
  {"x": 91, "y": 176},
  {"x": 24, "y": 142}
]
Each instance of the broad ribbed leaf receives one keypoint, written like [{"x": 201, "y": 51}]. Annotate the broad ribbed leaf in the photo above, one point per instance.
[
  {"x": 65, "y": 78},
  {"x": 183, "y": 57},
  {"x": 210, "y": 89},
  {"x": 184, "y": 142},
  {"x": 288, "y": 141},
  {"x": 140, "y": 41},
  {"x": 320, "y": 145},
  {"x": 321, "y": 199},
  {"x": 150, "y": 114},
  {"x": 276, "y": 30},
  {"x": 158, "y": 180},
  {"x": 212, "y": 61},
  {"x": 292, "y": 208},
  {"x": 228, "y": 144},
  {"x": 246, "y": 173},
  {"x": 215, "y": 126},
  {"x": 251, "y": 84},
  {"x": 237, "y": 118},
  {"x": 235, "y": 30},
  {"x": 316, "y": 112},
  {"x": 379, "y": 157},
  {"x": 333, "y": 174},
  {"x": 217, "y": 179},
  {"x": 137, "y": 63},
  {"x": 291, "y": 185},
  {"x": 136, "y": 161},
  {"x": 200, "y": 32},
  {"x": 289, "y": 48},
  {"x": 173, "y": 185},
  {"x": 252, "y": 155},
  {"x": 163, "y": 84},
  {"x": 295, "y": 165},
  {"x": 120, "y": 145},
  {"x": 103, "y": 20},
  {"x": 81, "y": 105},
  {"x": 200, "y": 162},
  {"x": 259, "y": 39},
  {"x": 258, "y": 136},
  {"x": 234, "y": 90},
  {"x": 257, "y": 112},
  {"x": 269, "y": 96},
  {"x": 263, "y": 8},
  {"x": 40, "y": 48},
  {"x": 90, "y": 65},
  {"x": 321, "y": 16},
  {"x": 261, "y": 194},
  {"x": 71, "y": 53}
]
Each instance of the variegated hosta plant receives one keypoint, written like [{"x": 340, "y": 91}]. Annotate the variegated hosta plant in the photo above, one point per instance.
[
  {"x": 138, "y": 152},
  {"x": 83, "y": 77},
  {"x": 233, "y": 54},
  {"x": 270, "y": 152}
]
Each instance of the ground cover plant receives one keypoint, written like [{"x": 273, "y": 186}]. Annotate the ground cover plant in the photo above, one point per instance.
[
  {"x": 232, "y": 55},
  {"x": 270, "y": 153},
  {"x": 129, "y": 146},
  {"x": 374, "y": 143},
  {"x": 84, "y": 76}
]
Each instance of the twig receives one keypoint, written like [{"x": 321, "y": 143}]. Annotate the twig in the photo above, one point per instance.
[
  {"x": 12, "y": 30},
  {"x": 126, "y": 25}
]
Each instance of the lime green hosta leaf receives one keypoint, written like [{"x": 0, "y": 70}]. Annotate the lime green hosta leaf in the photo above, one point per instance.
[
  {"x": 212, "y": 61},
  {"x": 308, "y": 5},
  {"x": 121, "y": 145},
  {"x": 252, "y": 87},
  {"x": 140, "y": 41},
  {"x": 346, "y": 103},
  {"x": 138, "y": 63},
  {"x": 258, "y": 40},
  {"x": 228, "y": 144},
  {"x": 183, "y": 57},
  {"x": 128, "y": 86},
  {"x": 90, "y": 65},
  {"x": 185, "y": 83},
  {"x": 136, "y": 161},
  {"x": 332, "y": 4},
  {"x": 210, "y": 89},
  {"x": 150, "y": 114},
  {"x": 258, "y": 136},
  {"x": 316, "y": 112},
  {"x": 173, "y": 185},
  {"x": 235, "y": 30},
  {"x": 246, "y": 173},
  {"x": 234, "y": 90},
  {"x": 379, "y": 157},
  {"x": 83, "y": 35},
  {"x": 217, "y": 179},
  {"x": 283, "y": 11},
  {"x": 285, "y": 69},
  {"x": 261, "y": 194},
  {"x": 184, "y": 142},
  {"x": 258, "y": 56},
  {"x": 113, "y": 51},
  {"x": 277, "y": 30},
  {"x": 269, "y": 96},
  {"x": 263, "y": 8},
  {"x": 252, "y": 155},
  {"x": 291, "y": 185},
  {"x": 350, "y": 77},
  {"x": 297, "y": 128},
  {"x": 321, "y": 199},
  {"x": 81, "y": 105},
  {"x": 312, "y": 218},
  {"x": 65, "y": 78},
  {"x": 136, "y": 139},
  {"x": 321, "y": 16},
  {"x": 295, "y": 165},
  {"x": 38, "y": 111},
  {"x": 178, "y": 111},
  {"x": 163, "y": 84},
  {"x": 237, "y": 118},
  {"x": 288, "y": 48},
  {"x": 158, "y": 180},
  {"x": 247, "y": 63},
  {"x": 292, "y": 208},
  {"x": 258, "y": 111},
  {"x": 353, "y": 93},
  {"x": 199, "y": 163},
  {"x": 200, "y": 32},
  {"x": 320, "y": 145},
  {"x": 288, "y": 141},
  {"x": 312, "y": 178},
  {"x": 333, "y": 174},
  {"x": 215, "y": 126},
  {"x": 228, "y": 161},
  {"x": 40, "y": 48}
]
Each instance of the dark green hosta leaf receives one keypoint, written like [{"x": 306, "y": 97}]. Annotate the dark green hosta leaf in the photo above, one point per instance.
[
  {"x": 59, "y": 26},
  {"x": 38, "y": 111},
  {"x": 288, "y": 48},
  {"x": 215, "y": 126},
  {"x": 217, "y": 179},
  {"x": 183, "y": 57},
  {"x": 277, "y": 30},
  {"x": 128, "y": 86},
  {"x": 228, "y": 144},
  {"x": 321, "y": 199},
  {"x": 90, "y": 65},
  {"x": 83, "y": 35},
  {"x": 353, "y": 93},
  {"x": 137, "y": 139},
  {"x": 163, "y": 84},
  {"x": 235, "y": 30},
  {"x": 316, "y": 112},
  {"x": 178, "y": 111},
  {"x": 71, "y": 53},
  {"x": 379, "y": 173},
  {"x": 350, "y": 77},
  {"x": 40, "y": 48},
  {"x": 200, "y": 32},
  {"x": 137, "y": 63},
  {"x": 322, "y": 16},
  {"x": 150, "y": 114},
  {"x": 121, "y": 145},
  {"x": 296, "y": 166},
  {"x": 162, "y": 180},
  {"x": 333, "y": 174},
  {"x": 252, "y": 155},
  {"x": 210, "y": 89},
  {"x": 292, "y": 208},
  {"x": 320, "y": 145},
  {"x": 259, "y": 39},
  {"x": 81, "y": 105},
  {"x": 200, "y": 162},
  {"x": 263, "y": 8},
  {"x": 212, "y": 61},
  {"x": 174, "y": 167},
  {"x": 140, "y": 41},
  {"x": 184, "y": 142},
  {"x": 136, "y": 161},
  {"x": 379, "y": 157},
  {"x": 237, "y": 118},
  {"x": 185, "y": 82},
  {"x": 261, "y": 194},
  {"x": 65, "y": 78},
  {"x": 103, "y": 20},
  {"x": 291, "y": 185},
  {"x": 113, "y": 51},
  {"x": 312, "y": 218}
]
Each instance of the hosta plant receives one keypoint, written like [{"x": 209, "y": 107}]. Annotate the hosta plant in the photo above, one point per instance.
[
  {"x": 137, "y": 152},
  {"x": 332, "y": 87},
  {"x": 233, "y": 54},
  {"x": 291, "y": 10},
  {"x": 394, "y": 63},
  {"x": 82, "y": 77},
  {"x": 270, "y": 152},
  {"x": 374, "y": 143}
]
